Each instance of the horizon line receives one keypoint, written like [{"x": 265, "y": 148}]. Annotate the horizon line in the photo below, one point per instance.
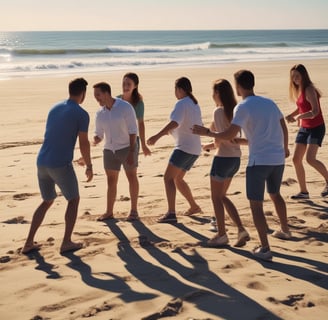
[{"x": 164, "y": 30}]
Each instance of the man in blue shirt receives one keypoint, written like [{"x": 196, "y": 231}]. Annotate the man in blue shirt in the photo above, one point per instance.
[{"x": 66, "y": 122}]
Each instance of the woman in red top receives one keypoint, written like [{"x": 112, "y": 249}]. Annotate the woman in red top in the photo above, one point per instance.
[{"x": 312, "y": 127}]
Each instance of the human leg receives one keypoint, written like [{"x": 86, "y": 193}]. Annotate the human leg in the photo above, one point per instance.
[
  {"x": 70, "y": 219},
  {"x": 217, "y": 195},
  {"x": 170, "y": 188},
  {"x": 280, "y": 207},
  {"x": 260, "y": 222},
  {"x": 255, "y": 184},
  {"x": 133, "y": 188},
  {"x": 243, "y": 235},
  {"x": 112, "y": 178},
  {"x": 298, "y": 156},
  {"x": 311, "y": 158},
  {"x": 37, "y": 219},
  {"x": 184, "y": 189}
]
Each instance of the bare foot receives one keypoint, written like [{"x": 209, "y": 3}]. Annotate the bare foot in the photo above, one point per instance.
[
  {"x": 192, "y": 211},
  {"x": 105, "y": 216},
  {"x": 71, "y": 246},
  {"x": 31, "y": 247}
]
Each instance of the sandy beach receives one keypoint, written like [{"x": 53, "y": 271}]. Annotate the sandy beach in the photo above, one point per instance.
[{"x": 145, "y": 270}]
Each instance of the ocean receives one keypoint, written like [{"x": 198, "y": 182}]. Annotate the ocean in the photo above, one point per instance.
[{"x": 28, "y": 54}]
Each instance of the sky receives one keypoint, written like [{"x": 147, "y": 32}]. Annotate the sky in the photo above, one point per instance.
[{"x": 56, "y": 15}]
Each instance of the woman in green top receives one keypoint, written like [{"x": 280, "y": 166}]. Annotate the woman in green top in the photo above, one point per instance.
[{"x": 131, "y": 94}]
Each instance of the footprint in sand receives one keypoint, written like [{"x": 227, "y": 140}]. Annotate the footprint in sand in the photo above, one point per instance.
[
  {"x": 256, "y": 285},
  {"x": 293, "y": 300},
  {"x": 23, "y": 196},
  {"x": 4, "y": 259},
  {"x": 16, "y": 220}
]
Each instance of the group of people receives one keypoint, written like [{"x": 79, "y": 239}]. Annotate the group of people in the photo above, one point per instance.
[{"x": 120, "y": 123}]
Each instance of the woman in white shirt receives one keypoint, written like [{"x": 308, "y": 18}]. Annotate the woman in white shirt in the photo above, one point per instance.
[{"x": 185, "y": 114}]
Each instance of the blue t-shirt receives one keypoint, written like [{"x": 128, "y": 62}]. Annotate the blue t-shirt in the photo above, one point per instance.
[{"x": 65, "y": 120}]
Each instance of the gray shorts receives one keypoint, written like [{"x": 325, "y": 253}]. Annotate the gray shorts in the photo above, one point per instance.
[
  {"x": 63, "y": 177},
  {"x": 258, "y": 176},
  {"x": 114, "y": 161}
]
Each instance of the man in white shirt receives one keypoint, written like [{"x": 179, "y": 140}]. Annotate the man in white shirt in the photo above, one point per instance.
[
  {"x": 267, "y": 135},
  {"x": 116, "y": 123}
]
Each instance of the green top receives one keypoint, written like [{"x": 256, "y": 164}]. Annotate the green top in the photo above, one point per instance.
[{"x": 139, "y": 108}]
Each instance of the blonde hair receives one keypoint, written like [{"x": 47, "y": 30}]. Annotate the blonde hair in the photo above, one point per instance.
[{"x": 294, "y": 89}]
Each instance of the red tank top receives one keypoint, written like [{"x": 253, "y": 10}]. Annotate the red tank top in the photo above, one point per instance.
[{"x": 305, "y": 106}]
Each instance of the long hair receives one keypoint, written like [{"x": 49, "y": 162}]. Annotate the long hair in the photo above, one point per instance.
[
  {"x": 185, "y": 84},
  {"x": 227, "y": 96},
  {"x": 136, "y": 96},
  {"x": 294, "y": 89}
]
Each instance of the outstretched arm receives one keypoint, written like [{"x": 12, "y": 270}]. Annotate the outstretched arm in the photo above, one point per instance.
[
  {"x": 166, "y": 130},
  {"x": 228, "y": 134}
]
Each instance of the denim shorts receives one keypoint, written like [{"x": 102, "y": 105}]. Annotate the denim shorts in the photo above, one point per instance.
[
  {"x": 182, "y": 160},
  {"x": 114, "y": 160},
  {"x": 311, "y": 135},
  {"x": 258, "y": 176},
  {"x": 224, "y": 167},
  {"x": 64, "y": 177}
]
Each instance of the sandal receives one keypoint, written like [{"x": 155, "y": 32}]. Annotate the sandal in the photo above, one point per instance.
[
  {"x": 133, "y": 216},
  {"x": 105, "y": 217},
  {"x": 300, "y": 195},
  {"x": 191, "y": 211}
]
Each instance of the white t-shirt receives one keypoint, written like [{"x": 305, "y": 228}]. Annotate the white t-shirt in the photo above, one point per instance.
[
  {"x": 226, "y": 147},
  {"x": 116, "y": 125},
  {"x": 259, "y": 118},
  {"x": 186, "y": 113}
]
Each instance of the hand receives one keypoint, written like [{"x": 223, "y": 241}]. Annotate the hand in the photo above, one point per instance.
[
  {"x": 146, "y": 151},
  {"x": 152, "y": 140},
  {"x": 290, "y": 118},
  {"x": 200, "y": 130},
  {"x": 89, "y": 174},
  {"x": 96, "y": 140},
  {"x": 81, "y": 162},
  {"x": 287, "y": 153}
]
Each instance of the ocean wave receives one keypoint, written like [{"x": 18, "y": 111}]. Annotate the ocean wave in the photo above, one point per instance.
[
  {"x": 249, "y": 45},
  {"x": 109, "y": 49},
  {"x": 126, "y": 61},
  {"x": 167, "y": 48},
  {"x": 45, "y": 52}
]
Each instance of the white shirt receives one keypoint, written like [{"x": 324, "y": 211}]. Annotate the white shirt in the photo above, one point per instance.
[
  {"x": 116, "y": 125},
  {"x": 259, "y": 118},
  {"x": 186, "y": 113}
]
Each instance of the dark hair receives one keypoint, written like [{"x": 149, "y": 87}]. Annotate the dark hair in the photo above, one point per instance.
[
  {"x": 245, "y": 79},
  {"x": 185, "y": 84},
  {"x": 104, "y": 87},
  {"x": 227, "y": 96},
  {"x": 77, "y": 86},
  {"x": 294, "y": 89},
  {"x": 136, "y": 96}
]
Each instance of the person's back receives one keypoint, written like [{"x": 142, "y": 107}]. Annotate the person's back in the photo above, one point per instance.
[
  {"x": 65, "y": 121},
  {"x": 259, "y": 117},
  {"x": 187, "y": 113}
]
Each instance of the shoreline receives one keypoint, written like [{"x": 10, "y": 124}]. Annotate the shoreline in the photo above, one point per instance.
[{"x": 138, "y": 68}]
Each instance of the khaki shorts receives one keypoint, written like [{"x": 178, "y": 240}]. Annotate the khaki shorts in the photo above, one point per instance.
[{"x": 114, "y": 160}]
